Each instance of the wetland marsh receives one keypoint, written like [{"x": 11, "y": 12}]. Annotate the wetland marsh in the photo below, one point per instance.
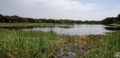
[{"x": 42, "y": 44}]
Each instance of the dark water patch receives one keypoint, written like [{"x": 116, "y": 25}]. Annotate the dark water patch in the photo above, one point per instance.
[
  {"x": 66, "y": 27},
  {"x": 69, "y": 52},
  {"x": 112, "y": 28},
  {"x": 84, "y": 49}
]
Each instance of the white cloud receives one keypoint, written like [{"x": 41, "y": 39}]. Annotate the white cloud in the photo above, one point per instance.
[
  {"x": 58, "y": 9},
  {"x": 100, "y": 15},
  {"x": 62, "y": 5},
  {"x": 110, "y": 13}
]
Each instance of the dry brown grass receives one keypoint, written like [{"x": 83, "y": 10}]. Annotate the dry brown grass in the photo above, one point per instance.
[{"x": 83, "y": 38}]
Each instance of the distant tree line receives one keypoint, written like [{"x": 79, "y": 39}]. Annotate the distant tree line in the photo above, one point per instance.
[
  {"x": 110, "y": 20},
  {"x": 18, "y": 19}
]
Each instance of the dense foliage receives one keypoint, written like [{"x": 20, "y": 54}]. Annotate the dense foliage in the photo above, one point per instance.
[
  {"x": 18, "y": 19},
  {"x": 111, "y": 20}
]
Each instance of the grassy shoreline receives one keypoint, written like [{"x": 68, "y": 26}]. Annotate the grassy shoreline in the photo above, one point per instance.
[
  {"x": 38, "y": 44},
  {"x": 115, "y": 24},
  {"x": 17, "y": 25}
]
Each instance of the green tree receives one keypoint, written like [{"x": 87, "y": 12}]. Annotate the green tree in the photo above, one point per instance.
[
  {"x": 119, "y": 17},
  {"x": 108, "y": 20},
  {"x": 1, "y": 18}
]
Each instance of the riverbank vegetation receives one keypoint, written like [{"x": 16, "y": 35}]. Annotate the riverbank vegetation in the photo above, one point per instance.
[
  {"x": 115, "y": 24},
  {"x": 111, "y": 20},
  {"x": 24, "y": 25},
  {"x": 30, "y": 22},
  {"x": 38, "y": 44},
  {"x": 18, "y": 19}
]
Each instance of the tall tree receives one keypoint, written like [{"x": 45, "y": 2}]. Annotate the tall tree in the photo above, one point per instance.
[
  {"x": 1, "y": 18},
  {"x": 119, "y": 17}
]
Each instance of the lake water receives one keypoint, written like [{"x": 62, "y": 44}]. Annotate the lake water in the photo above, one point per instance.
[{"x": 76, "y": 29}]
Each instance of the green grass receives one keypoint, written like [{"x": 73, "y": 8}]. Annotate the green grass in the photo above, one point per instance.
[
  {"x": 38, "y": 44},
  {"x": 28, "y": 44},
  {"x": 105, "y": 46},
  {"x": 25, "y": 24},
  {"x": 115, "y": 24}
]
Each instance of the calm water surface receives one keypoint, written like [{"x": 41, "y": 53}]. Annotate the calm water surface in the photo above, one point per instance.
[{"x": 76, "y": 29}]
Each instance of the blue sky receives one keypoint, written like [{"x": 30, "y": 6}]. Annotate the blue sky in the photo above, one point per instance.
[{"x": 61, "y": 9}]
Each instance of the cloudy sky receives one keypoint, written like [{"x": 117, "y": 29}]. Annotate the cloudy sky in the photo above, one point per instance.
[{"x": 61, "y": 9}]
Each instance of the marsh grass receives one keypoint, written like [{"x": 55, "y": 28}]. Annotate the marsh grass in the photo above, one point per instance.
[
  {"x": 28, "y": 44},
  {"x": 105, "y": 46},
  {"x": 38, "y": 44},
  {"x": 115, "y": 24},
  {"x": 23, "y": 25}
]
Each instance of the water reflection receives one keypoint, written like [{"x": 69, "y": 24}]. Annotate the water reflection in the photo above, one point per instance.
[
  {"x": 66, "y": 27},
  {"x": 112, "y": 28},
  {"x": 76, "y": 29}
]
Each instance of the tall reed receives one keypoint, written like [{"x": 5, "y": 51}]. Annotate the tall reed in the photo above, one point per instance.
[
  {"x": 27, "y": 44},
  {"x": 38, "y": 44},
  {"x": 105, "y": 46}
]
